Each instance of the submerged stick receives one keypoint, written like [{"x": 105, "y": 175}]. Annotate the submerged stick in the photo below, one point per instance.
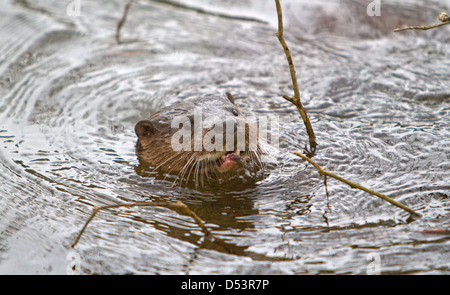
[
  {"x": 296, "y": 98},
  {"x": 123, "y": 20},
  {"x": 352, "y": 184},
  {"x": 173, "y": 206},
  {"x": 443, "y": 17}
]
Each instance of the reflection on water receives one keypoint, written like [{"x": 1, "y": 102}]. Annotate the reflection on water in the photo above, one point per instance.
[{"x": 70, "y": 96}]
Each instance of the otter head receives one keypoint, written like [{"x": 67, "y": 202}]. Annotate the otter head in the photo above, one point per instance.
[{"x": 200, "y": 139}]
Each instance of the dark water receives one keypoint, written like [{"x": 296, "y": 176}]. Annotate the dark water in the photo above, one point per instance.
[{"x": 378, "y": 101}]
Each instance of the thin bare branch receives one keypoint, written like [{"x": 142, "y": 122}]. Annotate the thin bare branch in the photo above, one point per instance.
[
  {"x": 296, "y": 98},
  {"x": 352, "y": 184},
  {"x": 173, "y": 205},
  {"x": 443, "y": 17},
  {"x": 123, "y": 20}
]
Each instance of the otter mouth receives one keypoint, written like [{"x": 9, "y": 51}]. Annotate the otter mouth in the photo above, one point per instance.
[{"x": 230, "y": 162}]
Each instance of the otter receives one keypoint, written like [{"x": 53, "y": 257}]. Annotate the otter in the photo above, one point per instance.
[{"x": 200, "y": 139}]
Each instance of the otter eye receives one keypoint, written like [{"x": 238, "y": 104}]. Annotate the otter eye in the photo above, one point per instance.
[{"x": 235, "y": 112}]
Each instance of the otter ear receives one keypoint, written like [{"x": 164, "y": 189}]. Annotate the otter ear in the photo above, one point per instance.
[
  {"x": 230, "y": 97},
  {"x": 144, "y": 128}
]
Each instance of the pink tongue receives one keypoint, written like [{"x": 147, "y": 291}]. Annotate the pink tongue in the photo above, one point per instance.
[{"x": 231, "y": 162}]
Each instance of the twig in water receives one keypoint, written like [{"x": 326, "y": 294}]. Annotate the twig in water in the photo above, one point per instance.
[
  {"x": 443, "y": 17},
  {"x": 296, "y": 98},
  {"x": 123, "y": 20},
  {"x": 312, "y": 139},
  {"x": 173, "y": 206},
  {"x": 356, "y": 185}
]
